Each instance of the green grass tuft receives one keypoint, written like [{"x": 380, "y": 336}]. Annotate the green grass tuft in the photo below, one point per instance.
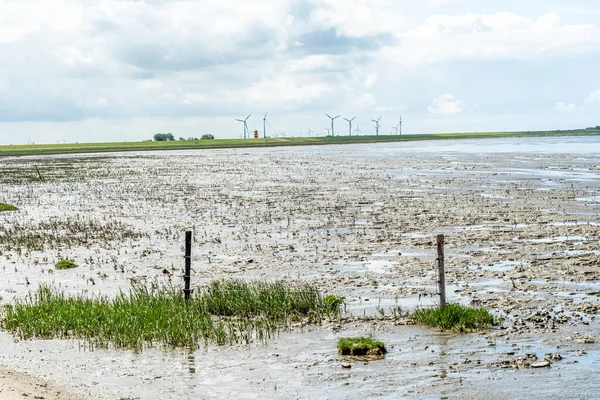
[
  {"x": 222, "y": 312},
  {"x": 454, "y": 317},
  {"x": 66, "y": 264},
  {"x": 7, "y": 207},
  {"x": 360, "y": 346},
  {"x": 333, "y": 303}
]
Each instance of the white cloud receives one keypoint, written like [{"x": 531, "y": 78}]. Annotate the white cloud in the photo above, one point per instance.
[
  {"x": 500, "y": 36},
  {"x": 123, "y": 60},
  {"x": 565, "y": 107},
  {"x": 593, "y": 98},
  {"x": 446, "y": 104},
  {"x": 370, "y": 80},
  {"x": 437, "y": 3},
  {"x": 357, "y": 18},
  {"x": 365, "y": 101},
  {"x": 289, "y": 89}
]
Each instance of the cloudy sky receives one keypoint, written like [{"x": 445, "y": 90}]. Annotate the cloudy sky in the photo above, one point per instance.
[{"x": 119, "y": 70}]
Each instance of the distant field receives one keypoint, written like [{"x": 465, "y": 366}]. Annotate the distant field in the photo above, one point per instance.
[{"x": 39, "y": 149}]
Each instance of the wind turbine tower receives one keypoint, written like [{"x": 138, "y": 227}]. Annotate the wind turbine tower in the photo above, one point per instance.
[
  {"x": 350, "y": 125},
  {"x": 265, "y": 125},
  {"x": 245, "y": 124},
  {"x": 332, "y": 119},
  {"x": 400, "y": 125},
  {"x": 377, "y": 125}
]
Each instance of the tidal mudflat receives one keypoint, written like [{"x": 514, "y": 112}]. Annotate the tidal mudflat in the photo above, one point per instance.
[{"x": 521, "y": 219}]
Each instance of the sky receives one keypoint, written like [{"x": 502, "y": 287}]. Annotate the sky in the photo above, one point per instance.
[{"x": 123, "y": 70}]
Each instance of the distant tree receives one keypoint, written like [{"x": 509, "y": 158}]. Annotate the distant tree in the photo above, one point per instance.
[
  {"x": 207, "y": 136},
  {"x": 192, "y": 138},
  {"x": 181, "y": 138},
  {"x": 163, "y": 137}
]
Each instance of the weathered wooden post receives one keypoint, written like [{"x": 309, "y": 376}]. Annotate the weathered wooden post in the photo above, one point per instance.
[
  {"x": 441, "y": 272},
  {"x": 188, "y": 265},
  {"x": 39, "y": 173}
]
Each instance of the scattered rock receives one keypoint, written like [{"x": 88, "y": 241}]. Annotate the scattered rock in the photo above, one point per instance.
[
  {"x": 584, "y": 339},
  {"x": 540, "y": 364},
  {"x": 346, "y": 365},
  {"x": 552, "y": 357}
]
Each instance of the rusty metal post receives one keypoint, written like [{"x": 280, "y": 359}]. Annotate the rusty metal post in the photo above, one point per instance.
[
  {"x": 441, "y": 272},
  {"x": 188, "y": 265}
]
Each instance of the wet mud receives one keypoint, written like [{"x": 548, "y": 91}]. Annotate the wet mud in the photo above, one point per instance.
[{"x": 521, "y": 223}]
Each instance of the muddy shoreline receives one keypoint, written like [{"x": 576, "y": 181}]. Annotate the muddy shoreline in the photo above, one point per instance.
[
  {"x": 18, "y": 385},
  {"x": 522, "y": 239}
]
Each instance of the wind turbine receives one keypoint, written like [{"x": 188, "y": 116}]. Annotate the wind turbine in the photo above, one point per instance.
[
  {"x": 377, "y": 125},
  {"x": 265, "y": 125},
  {"x": 328, "y": 130},
  {"x": 395, "y": 129},
  {"x": 245, "y": 124},
  {"x": 332, "y": 118},
  {"x": 350, "y": 125},
  {"x": 357, "y": 130},
  {"x": 400, "y": 125},
  {"x": 310, "y": 131}
]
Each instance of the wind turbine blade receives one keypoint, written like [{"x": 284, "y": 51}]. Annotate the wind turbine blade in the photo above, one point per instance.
[
  {"x": 241, "y": 120},
  {"x": 328, "y": 115},
  {"x": 266, "y": 115},
  {"x": 247, "y": 117},
  {"x": 337, "y": 116},
  {"x": 352, "y": 119}
]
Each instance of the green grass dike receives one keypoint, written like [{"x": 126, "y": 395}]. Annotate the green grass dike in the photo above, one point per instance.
[{"x": 62, "y": 148}]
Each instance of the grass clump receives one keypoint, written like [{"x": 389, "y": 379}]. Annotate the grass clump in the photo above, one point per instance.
[
  {"x": 7, "y": 207},
  {"x": 360, "y": 346},
  {"x": 333, "y": 302},
  {"x": 222, "y": 312},
  {"x": 454, "y": 317},
  {"x": 66, "y": 264}
]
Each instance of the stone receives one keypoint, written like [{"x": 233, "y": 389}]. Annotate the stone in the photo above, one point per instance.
[
  {"x": 553, "y": 357},
  {"x": 346, "y": 365},
  {"x": 540, "y": 364}
]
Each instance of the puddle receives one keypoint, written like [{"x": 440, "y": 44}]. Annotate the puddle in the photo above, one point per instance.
[
  {"x": 503, "y": 266},
  {"x": 380, "y": 266},
  {"x": 575, "y": 223},
  {"x": 590, "y": 198},
  {"x": 555, "y": 239}
]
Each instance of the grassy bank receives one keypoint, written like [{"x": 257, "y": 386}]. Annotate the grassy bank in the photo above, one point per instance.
[
  {"x": 40, "y": 149},
  {"x": 222, "y": 312}
]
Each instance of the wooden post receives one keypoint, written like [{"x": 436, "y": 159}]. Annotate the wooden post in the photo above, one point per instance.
[
  {"x": 188, "y": 265},
  {"x": 39, "y": 173},
  {"x": 441, "y": 272}
]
